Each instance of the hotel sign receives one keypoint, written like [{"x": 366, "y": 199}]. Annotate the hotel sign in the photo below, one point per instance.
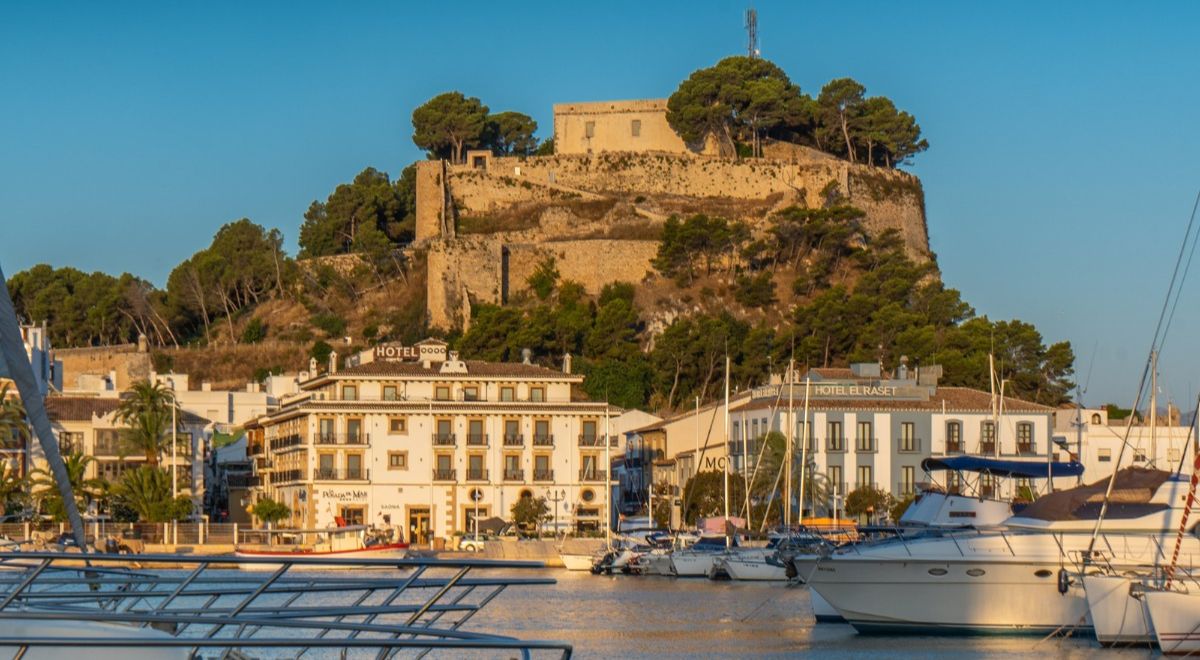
[
  {"x": 396, "y": 353},
  {"x": 825, "y": 390}
]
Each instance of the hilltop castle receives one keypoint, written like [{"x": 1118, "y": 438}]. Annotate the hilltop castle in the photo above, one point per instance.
[{"x": 598, "y": 204}]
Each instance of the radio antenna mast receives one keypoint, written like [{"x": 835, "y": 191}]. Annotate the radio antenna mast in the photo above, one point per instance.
[{"x": 752, "y": 33}]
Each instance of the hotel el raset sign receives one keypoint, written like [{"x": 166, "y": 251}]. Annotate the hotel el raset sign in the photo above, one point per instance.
[{"x": 827, "y": 390}]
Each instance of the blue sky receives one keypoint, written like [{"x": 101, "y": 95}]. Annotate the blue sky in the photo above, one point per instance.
[{"x": 1058, "y": 183}]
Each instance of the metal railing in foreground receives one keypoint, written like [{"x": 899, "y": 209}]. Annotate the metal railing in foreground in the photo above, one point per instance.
[{"x": 309, "y": 606}]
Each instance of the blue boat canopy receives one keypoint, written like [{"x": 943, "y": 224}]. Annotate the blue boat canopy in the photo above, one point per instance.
[{"x": 1001, "y": 468}]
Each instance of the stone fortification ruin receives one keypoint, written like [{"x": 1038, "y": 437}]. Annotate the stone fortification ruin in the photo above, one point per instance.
[{"x": 598, "y": 205}]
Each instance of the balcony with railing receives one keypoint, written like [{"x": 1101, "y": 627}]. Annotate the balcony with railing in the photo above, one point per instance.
[
  {"x": 477, "y": 439},
  {"x": 477, "y": 474},
  {"x": 955, "y": 447},
  {"x": 1026, "y": 449},
  {"x": 109, "y": 448},
  {"x": 987, "y": 447},
  {"x": 286, "y": 476},
  {"x": 514, "y": 475},
  {"x": 835, "y": 445},
  {"x": 866, "y": 445},
  {"x": 341, "y": 438},
  {"x": 908, "y": 445},
  {"x": 283, "y": 442},
  {"x": 543, "y": 475},
  {"x": 341, "y": 474},
  {"x": 9, "y": 444},
  {"x": 445, "y": 475},
  {"x": 906, "y": 488},
  {"x": 543, "y": 440},
  {"x": 592, "y": 475},
  {"x": 255, "y": 449},
  {"x": 597, "y": 440},
  {"x": 514, "y": 440},
  {"x": 443, "y": 439}
]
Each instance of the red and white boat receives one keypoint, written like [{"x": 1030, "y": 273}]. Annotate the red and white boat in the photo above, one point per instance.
[{"x": 349, "y": 542}]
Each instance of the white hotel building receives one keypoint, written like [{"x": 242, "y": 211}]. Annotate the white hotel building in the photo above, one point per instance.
[
  {"x": 417, "y": 439},
  {"x": 864, "y": 429}
]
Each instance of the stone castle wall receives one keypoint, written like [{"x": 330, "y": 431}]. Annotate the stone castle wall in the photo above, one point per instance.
[
  {"x": 127, "y": 361},
  {"x": 565, "y": 204},
  {"x": 621, "y": 126},
  {"x": 490, "y": 270}
]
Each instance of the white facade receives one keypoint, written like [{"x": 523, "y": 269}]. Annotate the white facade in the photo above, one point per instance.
[
  {"x": 1162, "y": 446},
  {"x": 863, "y": 430},
  {"x": 422, "y": 441}
]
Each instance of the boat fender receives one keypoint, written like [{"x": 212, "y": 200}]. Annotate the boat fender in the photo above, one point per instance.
[{"x": 1064, "y": 581}]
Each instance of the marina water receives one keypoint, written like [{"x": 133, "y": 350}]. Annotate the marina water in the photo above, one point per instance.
[{"x": 654, "y": 617}]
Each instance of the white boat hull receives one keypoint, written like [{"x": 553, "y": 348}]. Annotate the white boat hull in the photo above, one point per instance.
[
  {"x": 692, "y": 564},
  {"x": 754, "y": 568},
  {"x": 576, "y": 562},
  {"x": 386, "y": 552},
  {"x": 1118, "y": 618},
  {"x": 1176, "y": 621},
  {"x": 654, "y": 564},
  {"x": 823, "y": 612},
  {"x": 888, "y": 597}
]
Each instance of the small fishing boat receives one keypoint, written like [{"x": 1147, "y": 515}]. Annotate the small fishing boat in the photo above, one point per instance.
[{"x": 346, "y": 542}]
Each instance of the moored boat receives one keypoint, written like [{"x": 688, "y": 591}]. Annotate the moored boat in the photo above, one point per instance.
[
  {"x": 985, "y": 581},
  {"x": 347, "y": 542},
  {"x": 1175, "y": 618}
]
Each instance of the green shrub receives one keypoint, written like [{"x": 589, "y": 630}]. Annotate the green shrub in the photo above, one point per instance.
[
  {"x": 254, "y": 332},
  {"x": 331, "y": 324}
]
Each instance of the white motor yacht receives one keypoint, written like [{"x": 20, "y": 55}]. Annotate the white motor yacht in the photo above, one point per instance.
[
  {"x": 698, "y": 560},
  {"x": 1016, "y": 579}
]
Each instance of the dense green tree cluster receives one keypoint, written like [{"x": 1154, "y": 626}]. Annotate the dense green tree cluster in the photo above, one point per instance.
[
  {"x": 742, "y": 100},
  {"x": 86, "y": 309},
  {"x": 604, "y": 335},
  {"x": 450, "y": 123},
  {"x": 244, "y": 265},
  {"x": 358, "y": 216}
]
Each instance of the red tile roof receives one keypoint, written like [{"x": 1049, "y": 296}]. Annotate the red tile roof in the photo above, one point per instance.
[{"x": 78, "y": 408}]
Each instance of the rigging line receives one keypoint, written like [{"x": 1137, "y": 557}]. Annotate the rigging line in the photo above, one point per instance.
[
  {"x": 1187, "y": 267},
  {"x": 1187, "y": 442},
  {"x": 1171, "y": 289}
]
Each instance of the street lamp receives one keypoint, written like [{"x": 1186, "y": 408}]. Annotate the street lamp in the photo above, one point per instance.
[{"x": 556, "y": 496}]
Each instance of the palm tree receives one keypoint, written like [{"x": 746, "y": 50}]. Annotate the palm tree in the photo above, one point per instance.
[
  {"x": 147, "y": 410},
  {"x": 45, "y": 488},
  {"x": 12, "y": 417},
  {"x": 14, "y": 489},
  {"x": 147, "y": 491}
]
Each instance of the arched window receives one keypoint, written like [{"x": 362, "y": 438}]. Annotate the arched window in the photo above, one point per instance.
[{"x": 1096, "y": 418}]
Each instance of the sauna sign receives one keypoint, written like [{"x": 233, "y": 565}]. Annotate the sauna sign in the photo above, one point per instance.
[{"x": 396, "y": 353}]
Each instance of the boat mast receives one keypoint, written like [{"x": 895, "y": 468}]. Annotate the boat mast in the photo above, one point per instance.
[
  {"x": 608, "y": 479},
  {"x": 1153, "y": 408},
  {"x": 728, "y": 454},
  {"x": 12, "y": 352},
  {"x": 791, "y": 436},
  {"x": 804, "y": 448}
]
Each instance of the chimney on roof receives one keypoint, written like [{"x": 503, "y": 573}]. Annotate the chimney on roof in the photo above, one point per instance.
[
  {"x": 312, "y": 366},
  {"x": 902, "y": 370},
  {"x": 526, "y": 356},
  {"x": 567, "y": 363},
  {"x": 333, "y": 362},
  {"x": 206, "y": 386}
]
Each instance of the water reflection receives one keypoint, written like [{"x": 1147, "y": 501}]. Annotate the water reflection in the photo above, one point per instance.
[{"x": 635, "y": 617}]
